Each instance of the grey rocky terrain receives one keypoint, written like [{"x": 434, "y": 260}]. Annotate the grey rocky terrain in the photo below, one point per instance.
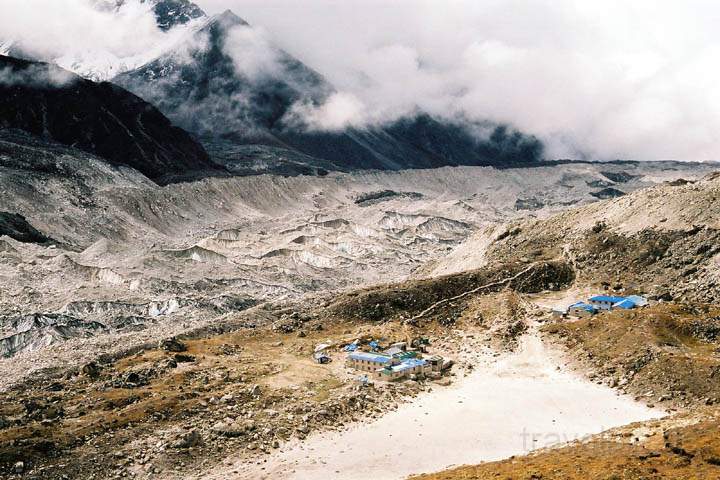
[
  {"x": 180, "y": 239},
  {"x": 121, "y": 260}
]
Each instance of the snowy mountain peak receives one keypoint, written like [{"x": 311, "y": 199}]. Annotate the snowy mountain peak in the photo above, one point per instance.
[
  {"x": 5, "y": 47},
  {"x": 175, "y": 20},
  {"x": 171, "y": 13},
  {"x": 228, "y": 17}
]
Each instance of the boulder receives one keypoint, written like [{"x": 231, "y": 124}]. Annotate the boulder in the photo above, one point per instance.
[
  {"x": 172, "y": 345},
  {"x": 91, "y": 370},
  {"x": 183, "y": 358},
  {"x": 232, "y": 429}
]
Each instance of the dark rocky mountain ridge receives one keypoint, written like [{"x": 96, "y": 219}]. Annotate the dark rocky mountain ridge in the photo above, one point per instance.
[{"x": 99, "y": 118}]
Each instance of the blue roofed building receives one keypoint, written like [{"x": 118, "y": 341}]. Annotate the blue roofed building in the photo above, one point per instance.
[
  {"x": 370, "y": 362},
  {"x": 394, "y": 367},
  {"x": 638, "y": 300},
  {"x": 626, "y": 304},
  {"x": 581, "y": 309},
  {"x": 403, "y": 369},
  {"x": 601, "y": 302},
  {"x": 604, "y": 302}
]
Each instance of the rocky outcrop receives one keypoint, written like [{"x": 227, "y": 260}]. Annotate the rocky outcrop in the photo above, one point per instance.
[
  {"x": 17, "y": 227},
  {"x": 37, "y": 331}
]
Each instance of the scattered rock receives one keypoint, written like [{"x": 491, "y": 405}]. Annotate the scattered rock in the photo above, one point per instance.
[
  {"x": 188, "y": 440},
  {"x": 91, "y": 370},
  {"x": 232, "y": 429},
  {"x": 173, "y": 345},
  {"x": 182, "y": 358}
]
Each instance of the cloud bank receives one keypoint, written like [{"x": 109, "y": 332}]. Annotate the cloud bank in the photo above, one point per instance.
[
  {"x": 606, "y": 80},
  {"x": 89, "y": 37}
]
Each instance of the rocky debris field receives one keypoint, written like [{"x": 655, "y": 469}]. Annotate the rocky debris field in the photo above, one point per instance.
[
  {"x": 661, "y": 241},
  {"x": 151, "y": 331},
  {"x": 215, "y": 246}
]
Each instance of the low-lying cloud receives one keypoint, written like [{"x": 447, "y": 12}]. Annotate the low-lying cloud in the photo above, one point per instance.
[
  {"x": 604, "y": 80},
  {"x": 39, "y": 76},
  {"x": 90, "y": 37},
  {"x": 610, "y": 79},
  {"x": 253, "y": 55}
]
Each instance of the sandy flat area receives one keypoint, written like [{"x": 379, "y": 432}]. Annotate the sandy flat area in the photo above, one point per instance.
[{"x": 510, "y": 405}]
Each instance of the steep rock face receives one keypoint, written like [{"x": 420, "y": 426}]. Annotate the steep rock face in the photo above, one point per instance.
[
  {"x": 102, "y": 119},
  {"x": 170, "y": 13},
  {"x": 419, "y": 142},
  {"x": 17, "y": 227},
  {"x": 231, "y": 87},
  {"x": 204, "y": 89}
]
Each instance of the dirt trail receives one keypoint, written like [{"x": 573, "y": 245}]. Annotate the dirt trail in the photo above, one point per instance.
[
  {"x": 444, "y": 301},
  {"x": 510, "y": 405}
]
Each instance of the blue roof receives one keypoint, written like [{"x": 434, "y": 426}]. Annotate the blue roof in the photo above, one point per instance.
[
  {"x": 638, "y": 300},
  {"x": 626, "y": 304},
  {"x": 407, "y": 365},
  {"x": 370, "y": 357},
  {"x": 606, "y": 298},
  {"x": 584, "y": 306}
]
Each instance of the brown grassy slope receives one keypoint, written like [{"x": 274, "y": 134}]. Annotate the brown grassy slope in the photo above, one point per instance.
[
  {"x": 403, "y": 300},
  {"x": 661, "y": 241},
  {"x": 73, "y": 427},
  {"x": 689, "y": 453},
  {"x": 668, "y": 351}
]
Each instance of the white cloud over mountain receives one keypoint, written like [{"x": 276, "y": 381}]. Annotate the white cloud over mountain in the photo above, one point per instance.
[
  {"x": 608, "y": 79},
  {"x": 611, "y": 79}
]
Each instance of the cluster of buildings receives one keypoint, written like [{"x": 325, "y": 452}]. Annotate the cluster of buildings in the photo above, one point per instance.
[
  {"x": 600, "y": 303},
  {"x": 396, "y": 363}
]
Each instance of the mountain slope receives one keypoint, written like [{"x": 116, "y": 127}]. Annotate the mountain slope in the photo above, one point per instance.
[
  {"x": 211, "y": 93},
  {"x": 660, "y": 241},
  {"x": 102, "y": 119},
  {"x": 231, "y": 86},
  {"x": 171, "y": 13}
]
